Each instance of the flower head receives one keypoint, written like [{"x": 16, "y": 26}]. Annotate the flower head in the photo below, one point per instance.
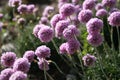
[
  {"x": 84, "y": 15},
  {"x": 56, "y": 18},
  {"x": 47, "y": 11},
  {"x": 42, "y": 51},
  {"x": 21, "y": 21},
  {"x": 89, "y": 4},
  {"x": 72, "y": 46},
  {"x": 43, "y": 64},
  {"x": 21, "y": 64},
  {"x": 101, "y": 13},
  {"x": 8, "y": 58},
  {"x": 89, "y": 60},
  {"x": 70, "y": 32},
  {"x": 63, "y": 1},
  {"x": 78, "y": 8},
  {"x": 113, "y": 10},
  {"x": 99, "y": 6},
  {"x": 62, "y": 48},
  {"x": 6, "y": 73},
  {"x": 94, "y": 25},
  {"x": 67, "y": 9},
  {"x": 29, "y": 55},
  {"x": 37, "y": 28},
  {"x": 44, "y": 20},
  {"x": 95, "y": 39},
  {"x": 45, "y": 34},
  {"x": 30, "y": 8},
  {"x": 13, "y": 3},
  {"x": 18, "y": 75},
  {"x": 109, "y": 3},
  {"x": 60, "y": 26},
  {"x": 22, "y": 9},
  {"x": 114, "y": 19},
  {"x": 1, "y": 15}
]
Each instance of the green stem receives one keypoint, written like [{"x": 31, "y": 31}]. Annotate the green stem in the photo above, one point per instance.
[
  {"x": 70, "y": 19},
  {"x": 64, "y": 58},
  {"x": 118, "y": 38},
  {"x": 49, "y": 76},
  {"x": 74, "y": 65},
  {"x": 99, "y": 60},
  {"x": 112, "y": 45},
  {"x": 58, "y": 52},
  {"x": 80, "y": 57},
  {"x": 45, "y": 72},
  {"x": 58, "y": 68}
]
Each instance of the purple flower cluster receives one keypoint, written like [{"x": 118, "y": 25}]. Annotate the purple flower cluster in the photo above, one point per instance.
[
  {"x": 13, "y": 3},
  {"x": 109, "y": 3},
  {"x": 85, "y": 15},
  {"x": 18, "y": 75},
  {"x": 6, "y": 73},
  {"x": 114, "y": 19},
  {"x": 8, "y": 59},
  {"x": 101, "y": 13},
  {"x": 70, "y": 47},
  {"x": 45, "y": 34},
  {"x": 29, "y": 55},
  {"x": 89, "y": 60},
  {"x": 94, "y": 27},
  {"x": 89, "y": 4},
  {"x": 60, "y": 26},
  {"x": 56, "y": 18},
  {"x": 95, "y": 39},
  {"x": 43, "y": 52},
  {"x": 70, "y": 32},
  {"x": 113, "y": 10},
  {"x": 99, "y": 6},
  {"x": 17, "y": 67},
  {"x": 67, "y": 10},
  {"x": 26, "y": 9},
  {"x": 43, "y": 64},
  {"x": 21, "y": 21},
  {"x": 62, "y": 48},
  {"x": 62, "y": 2},
  {"x": 48, "y": 11},
  {"x": 37, "y": 28},
  {"x": 21, "y": 64},
  {"x": 1, "y": 15},
  {"x": 44, "y": 20}
]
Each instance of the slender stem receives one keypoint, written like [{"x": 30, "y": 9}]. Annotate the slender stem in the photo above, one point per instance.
[
  {"x": 58, "y": 68},
  {"x": 45, "y": 72},
  {"x": 99, "y": 60},
  {"x": 70, "y": 19},
  {"x": 58, "y": 51},
  {"x": 112, "y": 43},
  {"x": 80, "y": 57},
  {"x": 72, "y": 61},
  {"x": 64, "y": 58},
  {"x": 75, "y": 69},
  {"x": 49, "y": 76},
  {"x": 118, "y": 38},
  {"x": 55, "y": 46}
]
